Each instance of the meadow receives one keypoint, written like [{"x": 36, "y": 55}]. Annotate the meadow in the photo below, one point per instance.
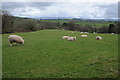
[
  {"x": 96, "y": 24},
  {"x": 46, "y": 55}
]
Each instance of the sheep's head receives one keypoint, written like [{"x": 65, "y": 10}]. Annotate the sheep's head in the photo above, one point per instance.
[
  {"x": 97, "y": 38},
  {"x": 74, "y": 38},
  {"x": 21, "y": 42}
]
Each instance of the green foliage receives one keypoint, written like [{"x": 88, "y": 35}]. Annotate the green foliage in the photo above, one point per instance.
[
  {"x": 111, "y": 27},
  {"x": 46, "y": 55},
  {"x": 95, "y": 24},
  {"x": 103, "y": 29}
]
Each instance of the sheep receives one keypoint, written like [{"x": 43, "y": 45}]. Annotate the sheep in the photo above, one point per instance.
[
  {"x": 81, "y": 32},
  {"x": 72, "y": 32},
  {"x": 72, "y": 39},
  {"x": 86, "y": 32},
  {"x": 65, "y": 37},
  {"x": 15, "y": 39},
  {"x": 95, "y": 32},
  {"x": 98, "y": 38},
  {"x": 84, "y": 36},
  {"x": 112, "y": 33}
]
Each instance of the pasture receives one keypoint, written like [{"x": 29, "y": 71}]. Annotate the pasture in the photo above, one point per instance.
[
  {"x": 83, "y": 23},
  {"x": 46, "y": 55}
]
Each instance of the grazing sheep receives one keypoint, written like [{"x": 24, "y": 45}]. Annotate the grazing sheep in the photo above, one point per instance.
[
  {"x": 15, "y": 39},
  {"x": 86, "y": 32},
  {"x": 65, "y": 37},
  {"x": 72, "y": 32},
  {"x": 72, "y": 39},
  {"x": 112, "y": 33},
  {"x": 95, "y": 32},
  {"x": 98, "y": 38},
  {"x": 81, "y": 32},
  {"x": 84, "y": 36}
]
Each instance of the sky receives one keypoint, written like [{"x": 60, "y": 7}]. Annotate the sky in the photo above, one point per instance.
[{"x": 83, "y": 9}]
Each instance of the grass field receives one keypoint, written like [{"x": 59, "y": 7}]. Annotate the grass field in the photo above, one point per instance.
[
  {"x": 83, "y": 23},
  {"x": 96, "y": 25},
  {"x": 46, "y": 55}
]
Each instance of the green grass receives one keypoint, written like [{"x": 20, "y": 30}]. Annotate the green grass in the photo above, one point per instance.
[
  {"x": 46, "y": 55},
  {"x": 93, "y": 24}
]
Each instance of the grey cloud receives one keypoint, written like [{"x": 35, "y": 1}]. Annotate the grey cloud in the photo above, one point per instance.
[
  {"x": 13, "y": 5},
  {"x": 10, "y": 5},
  {"x": 111, "y": 10}
]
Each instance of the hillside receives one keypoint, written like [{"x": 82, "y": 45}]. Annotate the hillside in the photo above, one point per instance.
[
  {"x": 46, "y": 55},
  {"x": 12, "y": 24}
]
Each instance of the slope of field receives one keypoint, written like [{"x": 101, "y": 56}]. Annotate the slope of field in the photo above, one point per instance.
[
  {"x": 96, "y": 24},
  {"x": 46, "y": 55}
]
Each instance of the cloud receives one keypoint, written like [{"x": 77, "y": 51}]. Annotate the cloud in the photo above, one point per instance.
[
  {"x": 98, "y": 1},
  {"x": 26, "y": 12},
  {"x": 13, "y": 5},
  {"x": 111, "y": 11},
  {"x": 71, "y": 9},
  {"x": 36, "y": 1}
]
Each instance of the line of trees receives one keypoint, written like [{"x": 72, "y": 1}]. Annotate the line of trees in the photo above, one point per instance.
[
  {"x": 12, "y": 24},
  {"x": 111, "y": 28}
]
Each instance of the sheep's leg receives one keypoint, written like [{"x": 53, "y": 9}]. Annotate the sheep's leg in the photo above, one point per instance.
[
  {"x": 10, "y": 43},
  {"x": 16, "y": 43},
  {"x": 22, "y": 44},
  {"x": 74, "y": 39}
]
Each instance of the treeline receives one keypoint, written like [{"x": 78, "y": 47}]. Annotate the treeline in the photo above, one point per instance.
[
  {"x": 11, "y": 24},
  {"x": 111, "y": 28}
]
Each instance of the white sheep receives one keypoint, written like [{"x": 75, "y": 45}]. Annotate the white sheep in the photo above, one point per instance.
[
  {"x": 72, "y": 32},
  {"x": 95, "y": 32},
  {"x": 72, "y": 39},
  {"x": 15, "y": 39},
  {"x": 65, "y": 37},
  {"x": 86, "y": 32},
  {"x": 84, "y": 36},
  {"x": 98, "y": 38},
  {"x": 81, "y": 32},
  {"x": 112, "y": 33}
]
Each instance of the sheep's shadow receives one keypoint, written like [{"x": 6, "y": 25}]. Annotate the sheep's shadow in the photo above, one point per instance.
[{"x": 16, "y": 45}]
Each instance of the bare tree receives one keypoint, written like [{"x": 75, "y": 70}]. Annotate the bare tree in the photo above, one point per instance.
[{"x": 7, "y": 22}]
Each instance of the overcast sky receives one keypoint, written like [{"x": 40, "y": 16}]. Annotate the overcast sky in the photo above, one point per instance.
[{"x": 85, "y": 9}]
